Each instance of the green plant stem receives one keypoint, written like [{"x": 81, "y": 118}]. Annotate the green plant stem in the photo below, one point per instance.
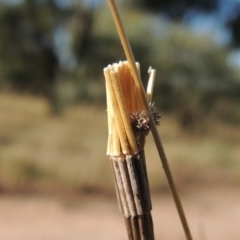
[{"x": 156, "y": 136}]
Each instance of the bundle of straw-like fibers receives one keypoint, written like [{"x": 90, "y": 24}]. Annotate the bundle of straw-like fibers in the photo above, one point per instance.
[{"x": 128, "y": 126}]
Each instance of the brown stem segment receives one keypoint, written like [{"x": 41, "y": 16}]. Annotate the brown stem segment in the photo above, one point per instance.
[
  {"x": 133, "y": 196},
  {"x": 156, "y": 136}
]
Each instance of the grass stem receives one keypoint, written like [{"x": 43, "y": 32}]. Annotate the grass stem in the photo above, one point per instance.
[{"x": 156, "y": 136}]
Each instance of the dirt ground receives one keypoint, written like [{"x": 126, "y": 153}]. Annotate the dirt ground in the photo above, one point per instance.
[{"x": 212, "y": 214}]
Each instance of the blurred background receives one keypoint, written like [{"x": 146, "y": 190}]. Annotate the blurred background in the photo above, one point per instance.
[
  {"x": 53, "y": 124},
  {"x": 52, "y": 105}
]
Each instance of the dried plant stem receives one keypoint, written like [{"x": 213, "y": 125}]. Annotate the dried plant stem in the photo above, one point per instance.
[
  {"x": 128, "y": 162},
  {"x": 151, "y": 80},
  {"x": 133, "y": 196},
  {"x": 123, "y": 110},
  {"x": 128, "y": 87},
  {"x": 116, "y": 110},
  {"x": 144, "y": 102}
]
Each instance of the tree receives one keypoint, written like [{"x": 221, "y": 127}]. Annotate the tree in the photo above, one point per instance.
[{"x": 27, "y": 58}]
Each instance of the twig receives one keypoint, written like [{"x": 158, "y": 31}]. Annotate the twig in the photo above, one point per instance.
[
  {"x": 156, "y": 136},
  {"x": 151, "y": 80},
  {"x": 127, "y": 159}
]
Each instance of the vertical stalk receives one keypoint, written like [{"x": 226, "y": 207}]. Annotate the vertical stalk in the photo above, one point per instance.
[
  {"x": 156, "y": 136},
  {"x": 129, "y": 167}
]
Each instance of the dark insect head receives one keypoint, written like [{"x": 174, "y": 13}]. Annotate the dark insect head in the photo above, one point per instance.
[{"x": 140, "y": 121}]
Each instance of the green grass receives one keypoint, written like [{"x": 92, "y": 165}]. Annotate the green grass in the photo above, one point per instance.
[{"x": 41, "y": 152}]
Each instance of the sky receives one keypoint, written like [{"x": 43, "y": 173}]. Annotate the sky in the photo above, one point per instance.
[{"x": 214, "y": 24}]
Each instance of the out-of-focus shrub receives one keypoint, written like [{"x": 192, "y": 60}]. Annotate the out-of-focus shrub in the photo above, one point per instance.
[{"x": 193, "y": 78}]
